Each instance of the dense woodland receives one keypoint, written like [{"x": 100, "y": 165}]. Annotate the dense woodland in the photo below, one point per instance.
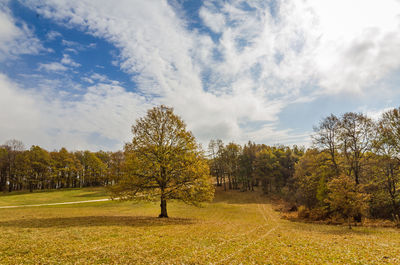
[
  {"x": 253, "y": 165},
  {"x": 351, "y": 171},
  {"x": 38, "y": 168}
]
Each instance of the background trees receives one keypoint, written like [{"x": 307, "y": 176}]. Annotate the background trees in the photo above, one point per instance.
[
  {"x": 163, "y": 155},
  {"x": 327, "y": 138},
  {"x": 354, "y": 160},
  {"x": 37, "y": 169},
  {"x": 311, "y": 176},
  {"x": 356, "y": 136},
  {"x": 13, "y": 150},
  {"x": 3, "y": 168},
  {"x": 252, "y": 165},
  {"x": 358, "y": 148},
  {"x": 247, "y": 160}
]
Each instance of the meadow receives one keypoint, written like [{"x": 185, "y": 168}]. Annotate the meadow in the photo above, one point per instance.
[{"x": 236, "y": 228}]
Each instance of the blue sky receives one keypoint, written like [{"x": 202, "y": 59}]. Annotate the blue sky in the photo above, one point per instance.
[{"x": 79, "y": 73}]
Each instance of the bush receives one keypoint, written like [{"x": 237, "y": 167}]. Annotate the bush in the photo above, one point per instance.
[
  {"x": 318, "y": 214},
  {"x": 346, "y": 198},
  {"x": 303, "y": 212}
]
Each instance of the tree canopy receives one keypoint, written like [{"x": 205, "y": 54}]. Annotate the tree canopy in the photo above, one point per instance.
[{"x": 164, "y": 162}]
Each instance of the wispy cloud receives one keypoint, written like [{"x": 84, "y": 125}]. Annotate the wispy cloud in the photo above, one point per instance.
[
  {"x": 51, "y": 35},
  {"x": 100, "y": 118},
  {"x": 66, "y": 60},
  {"x": 52, "y": 67},
  {"x": 65, "y": 64},
  {"x": 249, "y": 61},
  {"x": 15, "y": 40},
  {"x": 74, "y": 46},
  {"x": 167, "y": 60}
]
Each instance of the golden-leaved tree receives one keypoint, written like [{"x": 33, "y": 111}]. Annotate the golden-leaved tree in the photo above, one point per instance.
[
  {"x": 164, "y": 162},
  {"x": 346, "y": 198}
]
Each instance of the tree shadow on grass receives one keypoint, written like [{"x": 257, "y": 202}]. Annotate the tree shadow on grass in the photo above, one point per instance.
[{"x": 89, "y": 221}]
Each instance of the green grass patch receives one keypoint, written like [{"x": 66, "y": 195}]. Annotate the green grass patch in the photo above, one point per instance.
[
  {"x": 52, "y": 196},
  {"x": 237, "y": 228}
]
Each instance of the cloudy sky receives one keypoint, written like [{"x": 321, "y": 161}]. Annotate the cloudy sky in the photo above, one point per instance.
[{"x": 79, "y": 73}]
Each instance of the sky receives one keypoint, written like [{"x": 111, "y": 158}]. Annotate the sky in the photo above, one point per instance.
[{"x": 77, "y": 74}]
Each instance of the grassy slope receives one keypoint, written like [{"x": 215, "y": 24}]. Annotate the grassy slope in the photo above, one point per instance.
[
  {"x": 53, "y": 196},
  {"x": 236, "y": 228}
]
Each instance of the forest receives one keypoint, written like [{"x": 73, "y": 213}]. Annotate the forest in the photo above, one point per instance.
[
  {"x": 38, "y": 169},
  {"x": 351, "y": 171}
]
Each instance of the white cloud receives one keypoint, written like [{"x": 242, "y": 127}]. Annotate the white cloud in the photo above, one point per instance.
[
  {"x": 269, "y": 134},
  {"x": 70, "y": 43},
  {"x": 88, "y": 80},
  {"x": 361, "y": 47},
  {"x": 340, "y": 46},
  {"x": 170, "y": 61},
  {"x": 374, "y": 114},
  {"x": 74, "y": 46},
  {"x": 99, "y": 119},
  {"x": 15, "y": 40},
  {"x": 71, "y": 50},
  {"x": 105, "y": 110},
  {"x": 212, "y": 19},
  {"x": 19, "y": 114},
  {"x": 99, "y": 77},
  {"x": 65, "y": 63},
  {"x": 66, "y": 60},
  {"x": 51, "y": 35},
  {"x": 262, "y": 61},
  {"x": 52, "y": 67}
]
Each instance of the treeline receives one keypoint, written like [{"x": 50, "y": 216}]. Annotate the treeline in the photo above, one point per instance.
[
  {"x": 353, "y": 169},
  {"x": 252, "y": 165},
  {"x": 36, "y": 168}
]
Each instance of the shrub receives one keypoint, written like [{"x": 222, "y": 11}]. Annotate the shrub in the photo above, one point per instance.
[
  {"x": 303, "y": 212},
  {"x": 317, "y": 214}
]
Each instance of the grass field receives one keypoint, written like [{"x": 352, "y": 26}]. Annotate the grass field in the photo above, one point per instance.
[
  {"x": 54, "y": 196},
  {"x": 236, "y": 228}
]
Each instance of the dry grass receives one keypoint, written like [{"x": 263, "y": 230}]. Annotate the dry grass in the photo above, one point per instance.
[
  {"x": 52, "y": 196},
  {"x": 236, "y": 228}
]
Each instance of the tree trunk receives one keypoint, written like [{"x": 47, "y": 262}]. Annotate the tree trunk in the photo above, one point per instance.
[
  {"x": 163, "y": 206},
  {"x": 358, "y": 218},
  {"x": 2, "y": 186},
  {"x": 224, "y": 184},
  {"x": 265, "y": 186}
]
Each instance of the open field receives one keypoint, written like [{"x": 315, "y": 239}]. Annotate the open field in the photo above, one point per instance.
[
  {"x": 53, "y": 196},
  {"x": 236, "y": 228}
]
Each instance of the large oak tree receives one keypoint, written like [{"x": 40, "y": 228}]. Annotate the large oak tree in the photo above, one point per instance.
[{"x": 164, "y": 162}]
